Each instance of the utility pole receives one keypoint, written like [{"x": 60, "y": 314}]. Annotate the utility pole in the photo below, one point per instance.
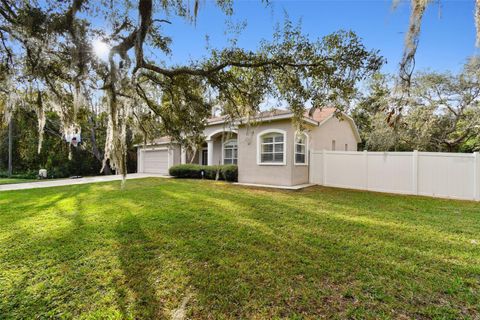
[{"x": 10, "y": 144}]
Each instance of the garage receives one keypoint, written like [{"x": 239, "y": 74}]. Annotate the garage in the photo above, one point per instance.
[{"x": 155, "y": 161}]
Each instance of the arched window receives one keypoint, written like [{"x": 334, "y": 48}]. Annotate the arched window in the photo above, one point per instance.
[
  {"x": 301, "y": 149},
  {"x": 230, "y": 152},
  {"x": 271, "y": 147}
]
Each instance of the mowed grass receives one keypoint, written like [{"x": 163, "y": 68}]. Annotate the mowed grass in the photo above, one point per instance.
[
  {"x": 164, "y": 247},
  {"x": 12, "y": 180}
]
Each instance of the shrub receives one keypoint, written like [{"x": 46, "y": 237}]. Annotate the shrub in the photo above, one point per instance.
[
  {"x": 194, "y": 171},
  {"x": 23, "y": 175}
]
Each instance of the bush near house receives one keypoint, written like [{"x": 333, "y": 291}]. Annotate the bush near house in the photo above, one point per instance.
[{"x": 194, "y": 171}]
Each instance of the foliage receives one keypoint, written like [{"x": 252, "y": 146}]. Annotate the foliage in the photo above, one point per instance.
[
  {"x": 48, "y": 54},
  {"x": 22, "y": 176},
  {"x": 443, "y": 113},
  {"x": 368, "y": 112},
  {"x": 55, "y": 155},
  {"x": 407, "y": 63},
  {"x": 232, "y": 252},
  {"x": 412, "y": 38},
  {"x": 194, "y": 171}
]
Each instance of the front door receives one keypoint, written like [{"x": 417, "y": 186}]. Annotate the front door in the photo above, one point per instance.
[{"x": 204, "y": 157}]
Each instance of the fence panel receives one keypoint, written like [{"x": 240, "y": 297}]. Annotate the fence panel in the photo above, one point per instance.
[
  {"x": 390, "y": 172},
  {"x": 345, "y": 169},
  {"x": 446, "y": 175}
]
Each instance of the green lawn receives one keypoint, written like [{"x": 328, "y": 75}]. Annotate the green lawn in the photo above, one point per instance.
[
  {"x": 229, "y": 252},
  {"x": 12, "y": 180}
]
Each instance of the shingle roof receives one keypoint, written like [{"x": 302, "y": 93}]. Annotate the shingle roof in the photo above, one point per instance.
[
  {"x": 272, "y": 113},
  {"x": 165, "y": 139},
  {"x": 262, "y": 114},
  {"x": 318, "y": 115}
]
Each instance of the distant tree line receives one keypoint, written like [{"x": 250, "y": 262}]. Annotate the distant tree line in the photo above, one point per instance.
[
  {"x": 441, "y": 113},
  {"x": 85, "y": 159}
]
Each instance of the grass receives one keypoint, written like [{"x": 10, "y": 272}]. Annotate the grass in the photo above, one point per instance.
[
  {"x": 229, "y": 252},
  {"x": 13, "y": 180}
]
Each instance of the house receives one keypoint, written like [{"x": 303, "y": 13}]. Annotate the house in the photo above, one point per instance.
[{"x": 268, "y": 152}]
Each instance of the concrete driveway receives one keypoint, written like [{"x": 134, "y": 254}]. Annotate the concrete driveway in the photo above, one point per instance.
[{"x": 68, "y": 182}]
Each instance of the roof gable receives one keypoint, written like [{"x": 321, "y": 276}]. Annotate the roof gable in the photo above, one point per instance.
[{"x": 321, "y": 114}]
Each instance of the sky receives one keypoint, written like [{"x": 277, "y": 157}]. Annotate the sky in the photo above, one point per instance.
[{"x": 447, "y": 39}]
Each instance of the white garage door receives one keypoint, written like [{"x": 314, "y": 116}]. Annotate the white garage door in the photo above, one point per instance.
[{"x": 155, "y": 161}]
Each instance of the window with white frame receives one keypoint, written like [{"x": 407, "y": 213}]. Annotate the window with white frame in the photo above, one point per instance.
[
  {"x": 230, "y": 152},
  {"x": 301, "y": 148},
  {"x": 272, "y": 148}
]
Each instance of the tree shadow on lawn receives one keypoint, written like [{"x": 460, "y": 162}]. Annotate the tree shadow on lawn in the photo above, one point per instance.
[
  {"x": 307, "y": 212},
  {"x": 63, "y": 273},
  {"x": 221, "y": 246},
  {"x": 25, "y": 207},
  {"x": 439, "y": 214},
  {"x": 45, "y": 269},
  {"x": 374, "y": 249},
  {"x": 241, "y": 267},
  {"x": 249, "y": 254},
  {"x": 138, "y": 259},
  {"x": 245, "y": 255}
]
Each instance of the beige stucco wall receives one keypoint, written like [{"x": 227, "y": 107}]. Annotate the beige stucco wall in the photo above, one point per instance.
[
  {"x": 289, "y": 174},
  {"x": 216, "y": 130},
  {"x": 299, "y": 174},
  {"x": 334, "y": 129},
  {"x": 251, "y": 172},
  {"x": 217, "y": 148},
  {"x": 319, "y": 138},
  {"x": 176, "y": 154}
]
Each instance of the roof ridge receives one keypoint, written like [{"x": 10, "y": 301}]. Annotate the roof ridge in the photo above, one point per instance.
[{"x": 318, "y": 114}]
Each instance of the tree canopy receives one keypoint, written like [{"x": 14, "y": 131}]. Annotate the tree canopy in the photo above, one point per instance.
[
  {"x": 442, "y": 112},
  {"x": 412, "y": 39},
  {"x": 47, "y": 55}
]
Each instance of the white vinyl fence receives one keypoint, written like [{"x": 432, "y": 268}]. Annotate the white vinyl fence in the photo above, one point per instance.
[{"x": 445, "y": 175}]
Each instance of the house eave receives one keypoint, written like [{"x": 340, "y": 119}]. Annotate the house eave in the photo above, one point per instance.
[
  {"x": 153, "y": 144},
  {"x": 263, "y": 119}
]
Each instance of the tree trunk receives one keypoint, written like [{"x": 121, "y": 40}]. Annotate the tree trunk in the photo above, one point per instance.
[
  {"x": 96, "y": 152},
  {"x": 10, "y": 147}
]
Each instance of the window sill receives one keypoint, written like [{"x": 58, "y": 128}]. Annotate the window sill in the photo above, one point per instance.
[
  {"x": 271, "y": 164},
  {"x": 301, "y": 164}
]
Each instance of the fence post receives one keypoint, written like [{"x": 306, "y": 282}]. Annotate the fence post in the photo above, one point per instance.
[
  {"x": 365, "y": 159},
  {"x": 476, "y": 176},
  {"x": 324, "y": 168},
  {"x": 415, "y": 172}
]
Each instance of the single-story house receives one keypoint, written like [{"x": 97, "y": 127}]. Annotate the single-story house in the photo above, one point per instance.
[{"x": 269, "y": 152}]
